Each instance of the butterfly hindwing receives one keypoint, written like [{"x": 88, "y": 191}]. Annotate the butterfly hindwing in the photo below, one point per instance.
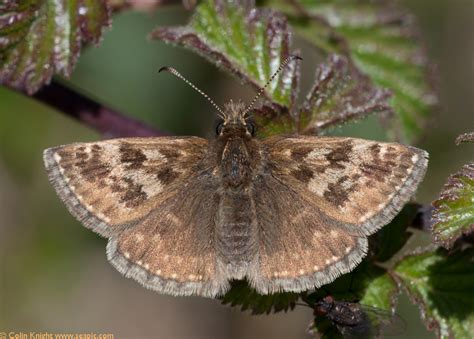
[
  {"x": 173, "y": 249},
  {"x": 300, "y": 248},
  {"x": 134, "y": 192}
]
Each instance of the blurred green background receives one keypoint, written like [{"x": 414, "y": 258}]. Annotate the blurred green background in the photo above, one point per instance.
[{"x": 54, "y": 275}]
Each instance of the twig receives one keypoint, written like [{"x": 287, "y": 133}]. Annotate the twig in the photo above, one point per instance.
[
  {"x": 110, "y": 123},
  {"x": 149, "y": 5}
]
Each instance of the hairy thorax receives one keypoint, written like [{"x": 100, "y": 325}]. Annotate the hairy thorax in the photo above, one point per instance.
[{"x": 236, "y": 166}]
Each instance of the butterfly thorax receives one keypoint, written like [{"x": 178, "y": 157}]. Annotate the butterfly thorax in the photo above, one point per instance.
[
  {"x": 235, "y": 164},
  {"x": 236, "y": 147}
]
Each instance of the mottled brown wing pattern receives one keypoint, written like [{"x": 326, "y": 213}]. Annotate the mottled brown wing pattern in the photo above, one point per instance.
[
  {"x": 320, "y": 199},
  {"x": 300, "y": 247},
  {"x": 111, "y": 183},
  {"x": 357, "y": 182},
  {"x": 172, "y": 250},
  {"x": 161, "y": 202},
  {"x": 134, "y": 192}
]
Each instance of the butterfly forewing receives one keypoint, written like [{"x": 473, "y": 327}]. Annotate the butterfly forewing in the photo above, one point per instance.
[
  {"x": 116, "y": 182},
  {"x": 356, "y": 182}
]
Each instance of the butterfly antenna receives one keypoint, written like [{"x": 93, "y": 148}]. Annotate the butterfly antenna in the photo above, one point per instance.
[
  {"x": 177, "y": 74},
  {"x": 261, "y": 90}
]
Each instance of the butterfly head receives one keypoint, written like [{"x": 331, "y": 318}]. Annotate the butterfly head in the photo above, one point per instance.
[{"x": 235, "y": 121}]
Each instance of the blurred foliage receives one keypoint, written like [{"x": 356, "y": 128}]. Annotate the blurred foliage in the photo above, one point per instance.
[
  {"x": 41, "y": 38},
  {"x": 338, "y": 95},
  {"x": 387, "y": 242},
  {"x": 453, "y": 213},
  {"x": 381, "y": 40},
  {"x": 441, "y": 284},
  {"x": 368, "y": 44},
  {"x": 253, "y": 43},
  {"x": 249, "y": 43}
]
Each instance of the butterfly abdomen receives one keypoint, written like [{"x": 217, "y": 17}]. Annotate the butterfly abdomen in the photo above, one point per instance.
[{"x": 235, "y": 234}]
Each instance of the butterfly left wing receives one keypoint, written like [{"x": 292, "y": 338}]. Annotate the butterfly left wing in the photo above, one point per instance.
[
  {"x": 299, "y": 247},
  {"x": 319, "y": 199},
  {"x": 357, "y": 182}
]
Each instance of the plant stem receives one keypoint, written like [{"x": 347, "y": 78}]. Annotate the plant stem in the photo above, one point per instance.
[{"x": 108, "y": 122}]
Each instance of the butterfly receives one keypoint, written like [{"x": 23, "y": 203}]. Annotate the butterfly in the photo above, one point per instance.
[{"x": 185, "y": 215}]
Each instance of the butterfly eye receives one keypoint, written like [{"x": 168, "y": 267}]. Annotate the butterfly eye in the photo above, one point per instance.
[
  {"x": 251, "y": 128},
  {"x": 219, "y": 127}
]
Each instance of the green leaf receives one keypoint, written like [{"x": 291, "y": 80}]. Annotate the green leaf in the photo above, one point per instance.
[
  {"x": 251, "y": 43},
  {"x": 273, "y": 120},
  {"x": 441, "y": 285},
  {"x": 41, "y": 38},
  {"x": 453, "y": 213},
  {"x": 241, "y": 294},
  {"x": 381, "y": 41},
  {"x": 340, "y": 94},
  {"x": 392, "y": 237},
  {"x": 380, "y": 292}
]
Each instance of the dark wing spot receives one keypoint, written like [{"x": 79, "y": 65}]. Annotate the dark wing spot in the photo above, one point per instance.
[
  {"x": 300, "y": 153},
  {"x": 339, "y": 156},
  {"x": 132, "y": 157},
  {"x": 406, "y": 158},
  {"x": 337, "y": 194},
  {"x": 133, "y": 194},
  {"x": 377, "y": 171},
  {"x": 167, "y": 175},
  {"x": 390, "y": 154},
  {"x": 90, "y": 165},
  {"x": 303, "y": 174},
  {"x": 169, "y": 153},
  {"x": 375, "y": 150},
  {"x": 81, "y": 156}
]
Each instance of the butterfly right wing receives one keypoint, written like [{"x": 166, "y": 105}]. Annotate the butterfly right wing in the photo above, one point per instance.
[
  {"x": 316, "y": 201},
  {"x": 155, "y": 199}
]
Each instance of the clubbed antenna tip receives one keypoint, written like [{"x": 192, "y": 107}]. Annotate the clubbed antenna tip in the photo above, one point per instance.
[{"x": 164, "y": 68}]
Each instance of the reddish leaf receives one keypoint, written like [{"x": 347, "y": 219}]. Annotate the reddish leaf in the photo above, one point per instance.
[{"x": 41, "y": 38}]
